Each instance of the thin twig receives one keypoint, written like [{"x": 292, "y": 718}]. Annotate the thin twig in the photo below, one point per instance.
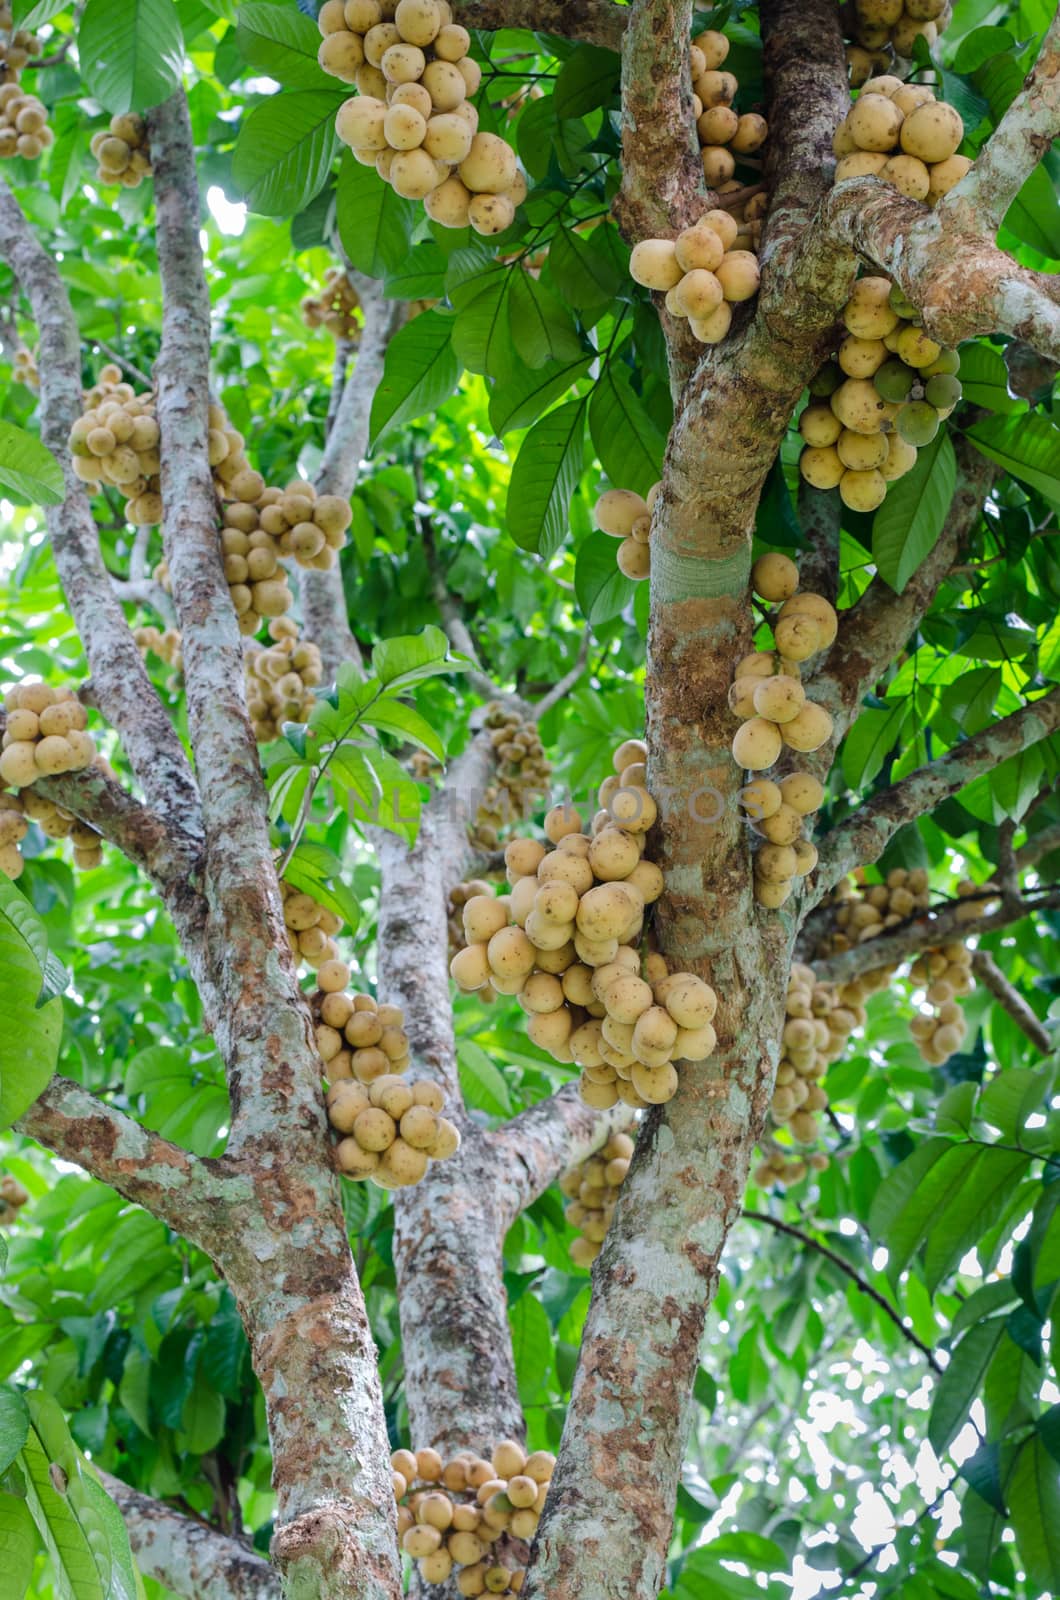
[
  {"x": 991, "y": 977},
  {"x": 853, "y": 1274},
  {"x": 123, "y": 361}
]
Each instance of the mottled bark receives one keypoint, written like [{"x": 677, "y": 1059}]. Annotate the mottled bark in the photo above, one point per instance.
[
  {"x": 946, "y": 922},
  {"x": 589, "y": 21},
  {"x": 324, "y": 611},
  {"x": 187, "y": 1556},
  {"x": 193, "y": 1196},
  {"x": 289, "y": 1264},
  {"x": 121, "y": 687}
]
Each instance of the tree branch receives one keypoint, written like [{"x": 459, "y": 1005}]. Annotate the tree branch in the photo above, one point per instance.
[
  {"x": 961, "y": 283},
  {"x": 864, "y": 835},
  {"x": 1038, "y": 845},
  {"x": 819, "y": 517},
  {"x": 261, "y": 1005},
  {"x": 947, "y": 923},
  {"x": 324, "y": 610},
  {"x": 538, "y": 1145},
  {"x": 563, "y": 686},
  {"x": 589, "y": 21},
  {"x": 449, "y": 608},
  {"x": 122, "y": 689},
  {"x": 853, "y": 1274},
  {"x": 991, "y": 976},
  {"x": 187, "y": 1556},
  {"x": 980, "y": 202},
  {"x": 662, "y": 174},
  {"x": 190, "y": 1194}
]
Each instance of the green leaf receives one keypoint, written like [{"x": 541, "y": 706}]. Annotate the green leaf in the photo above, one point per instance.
[
  {"x": 1034, "y": 1500},
  {"x": 135, "y": 1388},
  {"x": 587, "y": 279},
  {"x": 131, "y": 52},
  {"x": 523, "y": 394},
  {"x": 907, "y": 525},
  {"x": 602, "y": 589},
  {"x": 14, "y": 1426},
  {"x": 18, "y": 1544},
  {"x": 1032, "y": 216},
  {"x": 482, "y": 337},
  {"x": 1011, "y": 1098},
  {"x": 984, "y": 379},
  {"x": 411, "y": 657},
  {"x": 32, "y": 14},
  {"x": 968, "y": 1198},
  {"x": 283, "y": 44},
  {"x": 374, "y": 223},
  {"x": 482, "y": 1083},
  {"x": 531, "y": 1345},
  {"x": 405, "y": 722},
  {"x": 420, "y": 371},
  {"x": 1026, "y": 446},
  {"x": 870, "y": 741},
  {"x": 624, "y": 435},
  {"x": 29, "y": 1034},
  {"x": 202, "y": 1418},
  {"x": 896, "y": 1216},
  {"x": 587, "y": 79},
  {"x": 541, "y": 325},
  {"x": 317, "y": 871},
  {"x": 28, "y": 468},
  {"x": 285, "y": 148},
  {"x": 962, "y": 1381},
  {"x": 74, "y": 1565},
  {"x": 544, "y": 476}
]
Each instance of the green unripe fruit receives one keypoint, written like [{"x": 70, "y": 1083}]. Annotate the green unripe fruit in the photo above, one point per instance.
[
  {"x": 826, "y": 381},
  {"x": 894, "y": 381},
  {"x": 942, "y": 390},
  {"x": 918, "y": 423},
  {"x": 946, "y": 361},
  {"x": 900, "y": 303}
]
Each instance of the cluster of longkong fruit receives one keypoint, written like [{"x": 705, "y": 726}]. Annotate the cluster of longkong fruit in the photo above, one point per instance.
[
  {"x": 390, "y": 1129},
  {"x": 470, "y": 1516},
  {"x": 122, "y": 151},
  {"x": 723, "y": 134},
  {"x": 311, "y": 930},
  {"x": 702, "y": 273},
  {"x": 883, "y": 397},
  {"x": 882, "y": 29},
  {"x": 280, "y": 678},
  {"x": 898, "y": 132},
  {"x": 24, "y": 129},
  {"x": 13, "y": 1196},
  {"x": 334, "y": 306},
  {"x": 44, "y": 736},
  {"x": 282, "y": 524},
  {"x": 626, "y": 515},
  {"x": 767, "y": 694},
  {"x": 24, "y": 368},
  {"x": 519, "y": 780},
  {"x": 864, "y": 911},
  {"x": 411, "y": 118},
  {"x": 564, "y": 942},
  {"x": 591, "y": 1191},
  {"x": 167, "y": 645}
]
